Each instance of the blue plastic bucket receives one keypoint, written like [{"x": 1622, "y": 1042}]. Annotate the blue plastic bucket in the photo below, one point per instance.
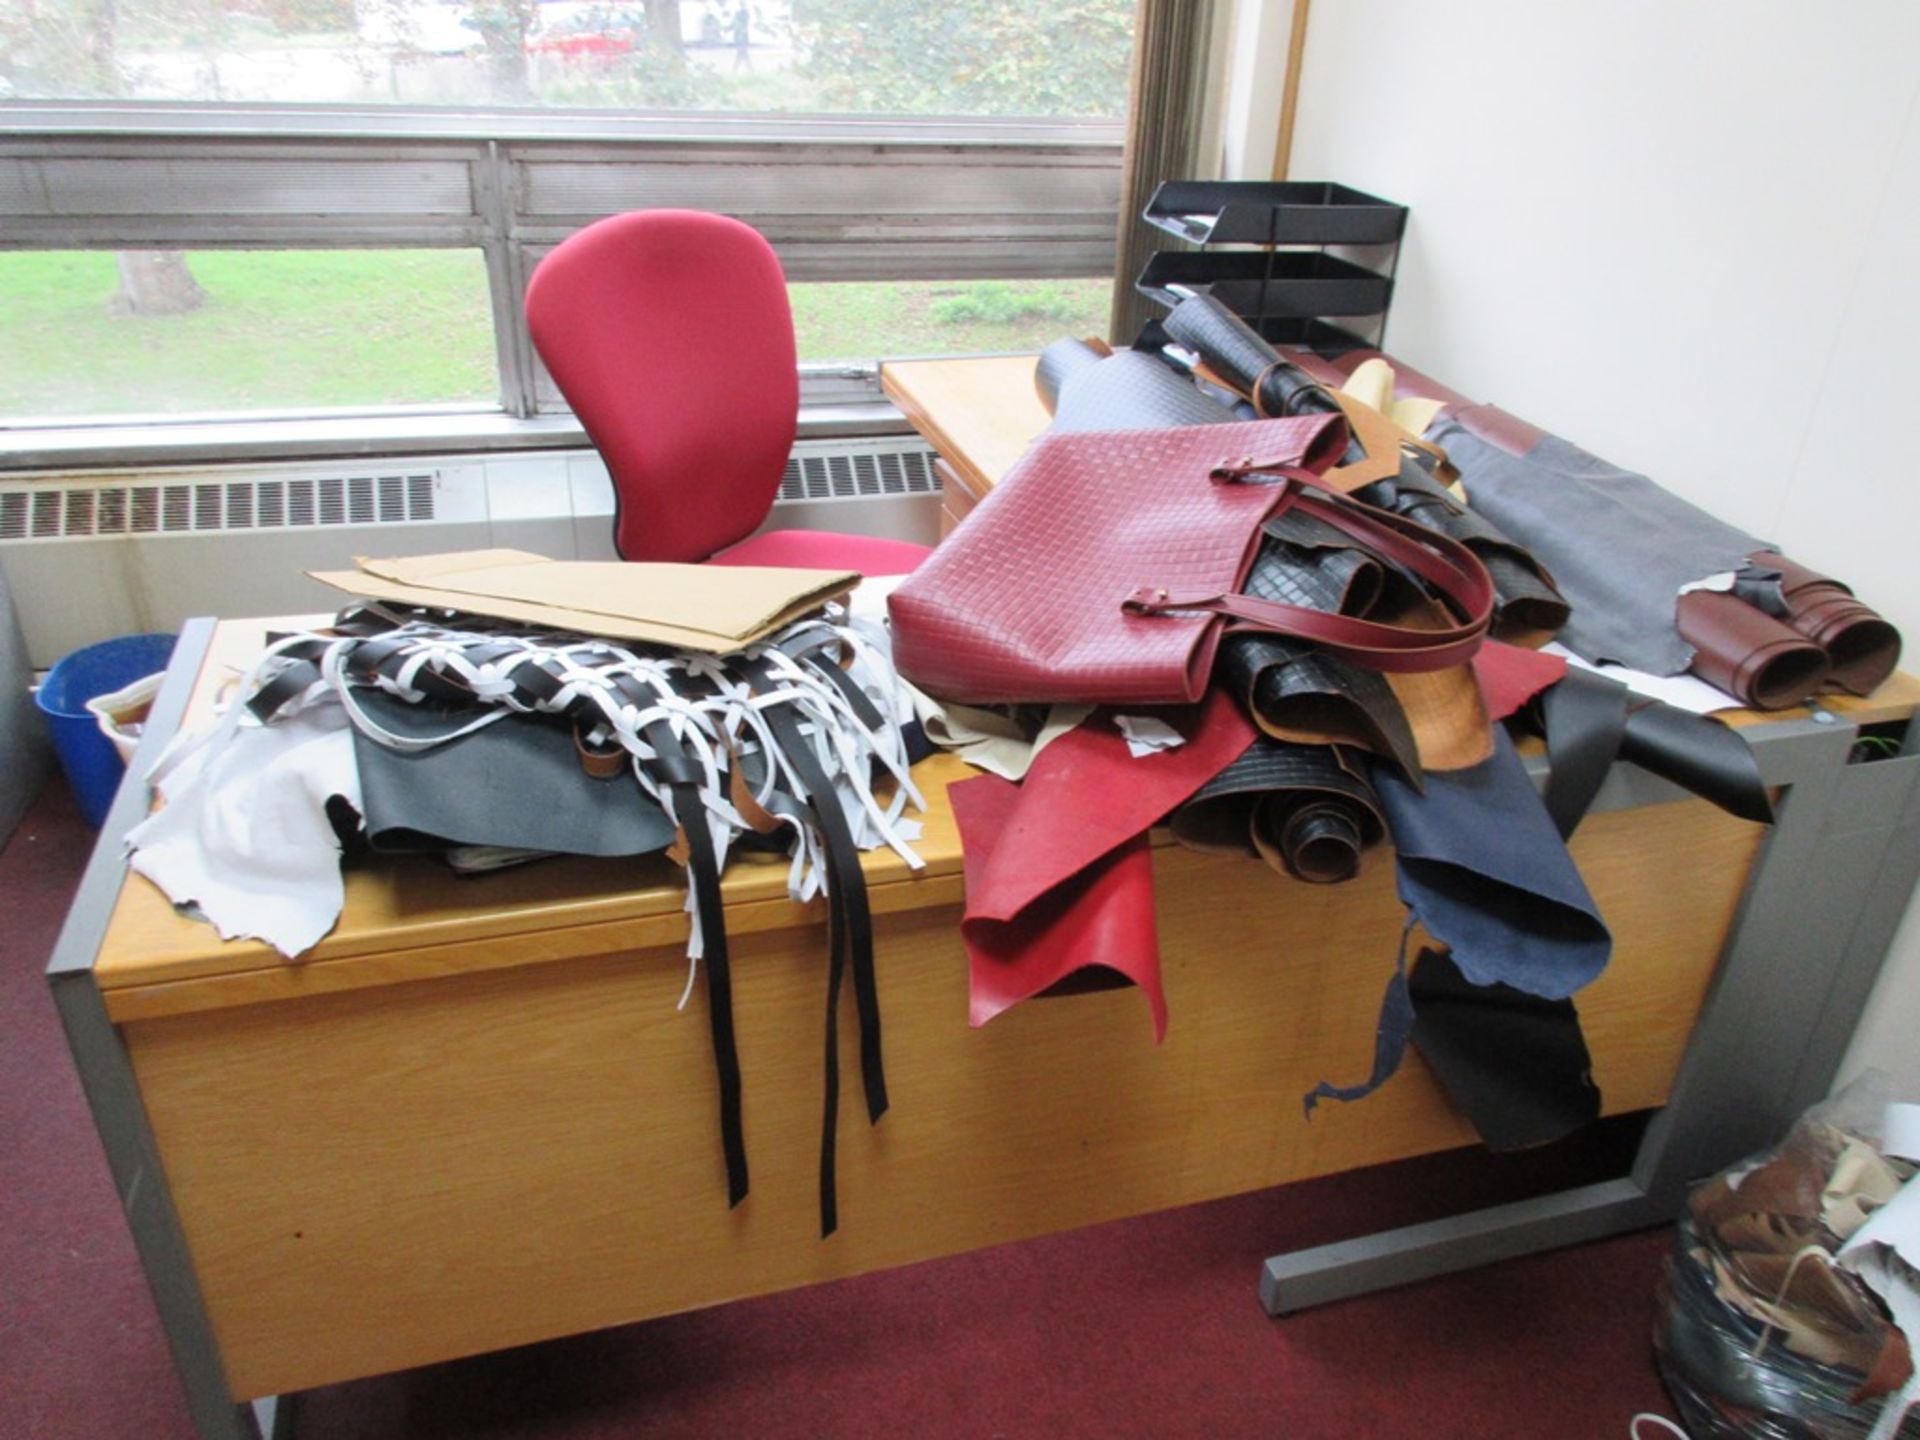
[{"x": 93, "y": 766}]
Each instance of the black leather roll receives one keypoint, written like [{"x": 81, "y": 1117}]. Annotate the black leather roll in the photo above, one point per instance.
[
  {"x": 1307, "y": 810},
  {"x": 1235, "y": 351},
  {"x": 1059, "y": 363}
]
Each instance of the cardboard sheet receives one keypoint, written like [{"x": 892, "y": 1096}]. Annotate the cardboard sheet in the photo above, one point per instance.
[{"x": 714, "y": 608}]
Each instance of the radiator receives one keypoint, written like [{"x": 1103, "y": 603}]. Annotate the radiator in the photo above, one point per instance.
[{"x": 88, "y": 556}]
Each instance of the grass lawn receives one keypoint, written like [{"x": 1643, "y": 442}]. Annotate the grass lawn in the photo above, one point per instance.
[{"x": 300, "y": 329}]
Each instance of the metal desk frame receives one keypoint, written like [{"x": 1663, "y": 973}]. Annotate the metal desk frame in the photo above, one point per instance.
[{"x": 1826, "y": 892}]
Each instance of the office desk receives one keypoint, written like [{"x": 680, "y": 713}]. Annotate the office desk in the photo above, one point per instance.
[{"x": 473, "y": 1118}]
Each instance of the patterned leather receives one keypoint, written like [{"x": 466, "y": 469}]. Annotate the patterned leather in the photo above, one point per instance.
[
  {"x": 1293, "y": 693},
  {"x": 1237, "y": 352},
  {"x": 1528, "y": 603},
  {"x": 1305, "y": 809},
  {"x": 1128, "y": 391},
  {"x": 1025, "y": 601}
]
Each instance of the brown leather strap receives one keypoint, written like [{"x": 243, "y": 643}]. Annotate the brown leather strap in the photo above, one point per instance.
[{"x": 1455, "y": 573}]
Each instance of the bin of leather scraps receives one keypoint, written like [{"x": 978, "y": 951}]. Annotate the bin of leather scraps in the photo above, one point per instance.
[{"x": 1788, "y": 1303}]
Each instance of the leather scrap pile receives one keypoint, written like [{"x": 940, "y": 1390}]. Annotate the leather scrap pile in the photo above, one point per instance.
[
  {"x": 1280, "y": 568},
  {"x": 482, "y": 738},
  {"x": 1788, "y": 1303}
]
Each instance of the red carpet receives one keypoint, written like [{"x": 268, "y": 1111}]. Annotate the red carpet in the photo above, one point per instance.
[{"x": 1143, "y": 1328}]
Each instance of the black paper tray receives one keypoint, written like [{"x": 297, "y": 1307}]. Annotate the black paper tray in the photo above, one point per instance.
[
  {"x": 1294, "y": 332},
  {"x": 1265, "y": 283},
  {"x": 1276, "y": 212}
]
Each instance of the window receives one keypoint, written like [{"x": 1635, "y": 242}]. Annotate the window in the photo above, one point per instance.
[
  {"x": 926, "y": 57},
  {"x": 135, "y": 333},
  {"x": 937, "y": 178}
]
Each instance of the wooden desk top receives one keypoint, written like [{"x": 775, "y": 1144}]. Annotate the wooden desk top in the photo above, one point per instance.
[{"x": 980, "y": 413}]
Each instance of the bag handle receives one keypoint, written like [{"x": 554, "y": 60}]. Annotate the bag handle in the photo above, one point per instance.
[{"x": 1456, "y": 574}]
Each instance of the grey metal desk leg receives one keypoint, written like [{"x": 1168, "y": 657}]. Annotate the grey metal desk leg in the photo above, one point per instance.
[
  {"x": 113, "y": 1094},
  {"x": 1819, "y": 910},
  {"x": 1419, "y": 1252},
  {"x": 1826, "y": 895}
]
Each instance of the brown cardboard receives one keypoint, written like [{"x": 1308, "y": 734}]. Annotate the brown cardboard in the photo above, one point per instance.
[{"x": 714, "y": 608}]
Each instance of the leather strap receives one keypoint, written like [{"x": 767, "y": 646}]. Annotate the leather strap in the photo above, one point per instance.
[
  {"x": 849, "y": 944},
  {"x": 703, "y": 874},
  {"x": 1454, "y": 572}
]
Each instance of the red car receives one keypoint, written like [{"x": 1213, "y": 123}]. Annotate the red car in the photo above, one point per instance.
[{"x": 588, "y": 35}]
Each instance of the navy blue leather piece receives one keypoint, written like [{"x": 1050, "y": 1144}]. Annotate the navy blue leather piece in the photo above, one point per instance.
[{"x": 1483, "y": 869}]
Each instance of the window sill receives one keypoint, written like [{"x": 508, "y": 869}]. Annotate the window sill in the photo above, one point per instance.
[{"x": 259, "y": 442}]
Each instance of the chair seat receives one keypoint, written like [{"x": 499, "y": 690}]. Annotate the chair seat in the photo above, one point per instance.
[{"x": 825, "y": 550}]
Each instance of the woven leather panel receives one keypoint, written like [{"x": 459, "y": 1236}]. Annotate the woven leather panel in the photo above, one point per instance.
[
  {"x": 1319, "y": 580},
  {"x": 1024, "y": 601},
  {"x": 1296, "y": 694},
  {"x": 1238, "y": 354},
  {"x": 1528, "y": 603},
  {"x": 1128, "y": 391}
]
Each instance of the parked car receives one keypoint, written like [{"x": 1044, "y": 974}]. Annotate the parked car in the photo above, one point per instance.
[{"x": 577, "y": 31}]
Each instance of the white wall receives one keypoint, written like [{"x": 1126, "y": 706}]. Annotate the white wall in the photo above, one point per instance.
[{"x": 1682, "y": 234}]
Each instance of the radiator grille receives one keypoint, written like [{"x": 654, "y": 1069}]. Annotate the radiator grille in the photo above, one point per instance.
[
  {"x": 174, "y": 507},
  {"x": 857, "y": 474}
]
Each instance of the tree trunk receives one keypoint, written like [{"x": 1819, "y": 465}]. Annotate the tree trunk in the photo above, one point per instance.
[
  {"x": 155, "y": 282},
  {"x": 503, "y": 27},
  {"x": 103, "y": 51},
  {"x": 663, "y": 26}
]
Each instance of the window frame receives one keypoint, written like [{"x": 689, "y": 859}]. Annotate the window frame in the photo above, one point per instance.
[{"x": 841, "y": 198}]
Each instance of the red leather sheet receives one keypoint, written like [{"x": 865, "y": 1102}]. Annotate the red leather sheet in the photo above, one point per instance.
[
  {"x": 1510, "y": 676},
  {"x": 1058, "y": 873}
]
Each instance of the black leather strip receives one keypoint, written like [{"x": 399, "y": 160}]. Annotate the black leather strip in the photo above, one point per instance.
[
  {"x": 1591, "y": 720},
  {"x": 1701, "y": 755},
  {"x": 849, "y": 943},
  {"x": 703, "y": 874},
  {"x": 289, "y": 683},
  {"x": 1585, "y": 717}
]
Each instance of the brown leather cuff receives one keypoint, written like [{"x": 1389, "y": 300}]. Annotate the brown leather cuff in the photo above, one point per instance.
[
  {"x": 1861, "y": 646},
  {"x": 1753, "y": 657}
]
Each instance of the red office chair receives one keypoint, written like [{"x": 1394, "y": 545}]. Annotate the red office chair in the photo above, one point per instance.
[{"x": 670, "y": 334}]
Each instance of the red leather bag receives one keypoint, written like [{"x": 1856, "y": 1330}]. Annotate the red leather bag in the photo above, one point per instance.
[{"x": 1106, "y": 565}]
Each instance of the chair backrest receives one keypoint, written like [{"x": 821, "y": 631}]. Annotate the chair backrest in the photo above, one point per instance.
[{"x": 670, "y": 334}]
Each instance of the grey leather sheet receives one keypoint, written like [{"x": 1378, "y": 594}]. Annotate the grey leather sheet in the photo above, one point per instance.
[{"x": 1618, "y": 546}]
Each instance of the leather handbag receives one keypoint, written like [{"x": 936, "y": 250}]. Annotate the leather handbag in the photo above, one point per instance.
[{"x": 1107, "y": 564}]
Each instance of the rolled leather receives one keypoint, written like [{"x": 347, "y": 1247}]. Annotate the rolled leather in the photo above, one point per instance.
[
  {"x": 1747, "y": 653},
  {"x": 1862, "y": 648},
  {"x": 1235, "y": 351},
  {"x": 1058, "y": 363},
  {"x": 1307, "y": 810}
]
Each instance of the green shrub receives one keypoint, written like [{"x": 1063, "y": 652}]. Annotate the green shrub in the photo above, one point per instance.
[{"x": 1001, "y": 302}]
